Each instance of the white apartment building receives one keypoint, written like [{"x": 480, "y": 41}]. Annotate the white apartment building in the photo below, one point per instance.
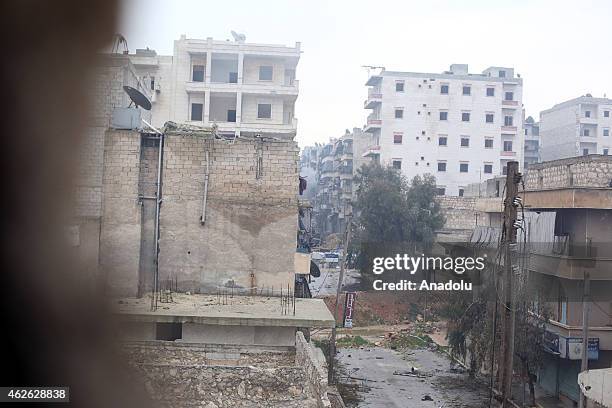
[
  {"x": 460, "y": 127},
  {"x": 580, "y": 126},
  {"x": 241, "y": 88}
]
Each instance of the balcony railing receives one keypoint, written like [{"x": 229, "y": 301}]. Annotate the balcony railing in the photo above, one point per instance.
[
  {"x": 506, "y": 103},
  {"x": 507, "y": 154}
]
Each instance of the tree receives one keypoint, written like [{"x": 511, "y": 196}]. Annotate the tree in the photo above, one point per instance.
[{"x": 393, "y": 215}]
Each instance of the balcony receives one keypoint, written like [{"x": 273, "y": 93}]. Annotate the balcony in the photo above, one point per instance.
[
  {"x": 374, "y": 122},
  {"x": 509, "y": 104},
  {"x": 374, "y": 98},
  {"x": 372, "y": 151},
  {"x": 509, "y": 129},
  {"x": 507, "y": 154}
]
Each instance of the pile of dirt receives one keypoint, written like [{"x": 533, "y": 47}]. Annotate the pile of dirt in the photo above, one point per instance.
[{"x": 378, "y": 308}]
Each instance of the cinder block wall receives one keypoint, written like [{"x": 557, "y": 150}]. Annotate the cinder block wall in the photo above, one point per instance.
[
  {"x": 248, "y": 239},
  {"x": 460, "y": 212},
  {"x": 120, "y": 232},
  {"x": 582, "y": 171}
]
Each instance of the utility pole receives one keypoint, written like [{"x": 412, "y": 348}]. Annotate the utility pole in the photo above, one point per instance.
[
  {"x": 513, "y": 178},
  {"x": 585, "y": 333},
  {"x": 332, "y": 341}
]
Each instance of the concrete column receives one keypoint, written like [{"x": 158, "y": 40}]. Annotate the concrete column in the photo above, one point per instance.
[
  {"x": 206, "y": 114},
  {"x": 240, "y": 69},
  {"x": 208, "y": 65},
  {"x": 238, "y": 108}
]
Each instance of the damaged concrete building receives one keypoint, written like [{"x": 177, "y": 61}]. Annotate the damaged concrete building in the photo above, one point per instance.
[{"x": 228, "y": 216}]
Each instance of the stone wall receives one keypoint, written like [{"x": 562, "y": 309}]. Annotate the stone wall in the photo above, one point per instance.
[
  {"x": 312, "y": 362},
  {"x": 248, "y": 237},
  {"x": 186, "y": 375},
  {"x": 460, "y": 212},
  {"x": 582, "y": 171}
]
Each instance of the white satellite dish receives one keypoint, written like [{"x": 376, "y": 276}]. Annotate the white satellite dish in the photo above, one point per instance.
[{"x": 238, "y": 37}]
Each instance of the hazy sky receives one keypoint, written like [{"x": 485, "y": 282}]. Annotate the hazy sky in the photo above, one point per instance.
[{"x": 562, "y": 49}]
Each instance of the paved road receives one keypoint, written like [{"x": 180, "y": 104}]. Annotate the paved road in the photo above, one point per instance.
[
  {"x": 327, "y": 283},
  {"x": 372, "y": 369}
]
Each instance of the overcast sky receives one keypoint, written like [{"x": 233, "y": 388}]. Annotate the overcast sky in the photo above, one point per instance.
[{"x": 562, "y": 49}]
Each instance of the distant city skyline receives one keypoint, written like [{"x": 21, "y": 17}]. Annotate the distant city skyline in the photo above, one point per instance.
[{"x": 556, "y": 47}]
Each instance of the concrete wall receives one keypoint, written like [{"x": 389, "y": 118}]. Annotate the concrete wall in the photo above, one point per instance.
[
  {"x": 460, "y": 212},
  {"x": 120, "y": 235},
  {"x": 312, "y": 361},
  {"x": 248, "y": 239},
  {"x": 238, "y": 335}
]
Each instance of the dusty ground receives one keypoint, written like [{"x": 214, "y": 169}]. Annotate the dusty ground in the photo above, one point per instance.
[
  {"x": 376, "y": 357},
  {"x": 383, "y": 378}
]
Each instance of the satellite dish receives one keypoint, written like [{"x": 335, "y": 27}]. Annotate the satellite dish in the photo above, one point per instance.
[
  {"x": 137, "y": 98},
  {"x": 238, "y": 37}
]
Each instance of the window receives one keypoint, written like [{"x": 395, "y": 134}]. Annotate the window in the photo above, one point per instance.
[
  {"x": 231, "y": 115},
  {"x": 465, "y": 142},
  {"x": 443, "y": 115},
  {"x": 606, "y": 114},
  {"x": 440, "y": 191},
  {"x": 152, "y": 83},
  {"x": 444, "y": 89},
  {"x": 508, "y": 120},
  {"x": 461, "y": 190},
  {"x": 463, "y": 167},
  {"x": 509, "y": 96},
  {"x": 399, "y": 113},
  {"x": 488, "y": 168},
  {"x": 265, "y": 73},
  {"x": 467, "y": 90},
  {"x": 397, "y": 138},
  {"x": 196, "y": 111},
  {"x": 441, "y": 166},
  {"x": 606, "y": 132},
  {"x": 605, "y": 151},
  {"x": 488, "y": 143},
  {"x": 465, "y": 116},
  {"x": 502, "y": 73},
  {"x": 507, "y": 145},
  {"x": 233, "y": 77},
  {"x": 585, "y": 152},
  {"x": 587, "y": 114},
  {"x": 489, "y": 118},
  {"x": 397, "y": 164},
  {"x": 505, "y": 170},
  {"x": 264, "y": 111},
  {"x": 442, "y": 140},
  {"x": 586, "y": 132},
  {"x": 490, "y": 91},
  {"x": 198, "y": 73},
  {"x": 399, "y": 86}
]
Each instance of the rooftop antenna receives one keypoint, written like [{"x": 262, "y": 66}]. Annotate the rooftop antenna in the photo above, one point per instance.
[
  {"x": 239, "y": 38},
  {"x": 137, "y": 98}
]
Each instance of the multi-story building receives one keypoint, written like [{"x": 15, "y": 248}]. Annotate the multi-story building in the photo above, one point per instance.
[
  {"x": 576, "y": 127},
  {"x": 460, "y": 127},
  {"x": 532, "y": 142},
  {"x": 566, "y": 224},
  {"x": 241, "y": 88}
]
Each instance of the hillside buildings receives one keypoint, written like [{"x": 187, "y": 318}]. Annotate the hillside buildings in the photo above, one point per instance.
[
  {"x": 460, "y": 127},
  {"x": 580, "y": 126}
]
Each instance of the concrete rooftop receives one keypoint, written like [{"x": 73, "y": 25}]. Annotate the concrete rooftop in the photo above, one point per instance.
[{"x": 239, "y": 311}]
